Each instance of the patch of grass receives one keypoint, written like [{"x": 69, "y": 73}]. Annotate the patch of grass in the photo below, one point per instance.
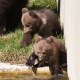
[
  {"x": 38, "y": 4},
  {"x": 10, "y": 50},
  {"x": 61, "y": 38}
]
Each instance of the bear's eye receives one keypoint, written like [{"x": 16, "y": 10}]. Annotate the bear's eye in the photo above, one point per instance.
[
  {"x": 43, "y": 52},
  {"x": 37, "y": 52},
  {"x": 27, "y": 25}
]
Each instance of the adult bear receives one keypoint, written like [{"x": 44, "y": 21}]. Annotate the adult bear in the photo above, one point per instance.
[
  {"x": 48, "y": 51},
  {"x": 10, "y": 14},
  {"x": 44, "y": 22}
]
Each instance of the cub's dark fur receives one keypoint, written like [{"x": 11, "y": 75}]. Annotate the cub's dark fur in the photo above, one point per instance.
[{"x": 10, "y": 14}]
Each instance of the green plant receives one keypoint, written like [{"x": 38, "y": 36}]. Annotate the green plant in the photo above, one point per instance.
[{"x": 38, "y": 4}]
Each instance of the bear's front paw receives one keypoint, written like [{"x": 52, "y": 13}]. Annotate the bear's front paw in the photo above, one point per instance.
[{"x": 26, "y": 40}]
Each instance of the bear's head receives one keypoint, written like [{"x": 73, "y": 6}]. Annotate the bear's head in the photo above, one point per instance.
[
  {"x": 30, "y": 21},
  {"x": 43, "y": 48}
]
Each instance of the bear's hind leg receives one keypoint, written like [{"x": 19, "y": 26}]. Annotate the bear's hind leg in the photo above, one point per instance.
[{"x": 54, "y": 69}]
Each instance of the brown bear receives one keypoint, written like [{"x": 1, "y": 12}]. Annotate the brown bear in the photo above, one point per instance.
[
  {"x": 10, "y": 14},
  {"x": 48, "y": 51},
  {"x": 44, "y": 22}
]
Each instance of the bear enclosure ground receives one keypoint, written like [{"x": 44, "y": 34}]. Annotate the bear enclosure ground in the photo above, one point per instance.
[{"x": 10, "y": 50}]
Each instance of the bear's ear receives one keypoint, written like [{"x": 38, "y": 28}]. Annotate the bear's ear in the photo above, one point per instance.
[
  {"x": 24, "y": 10},
  {"x": 50, "y": 39},
  {"x": 38, "y": 38},
  {"x": 33, "y": 14}
]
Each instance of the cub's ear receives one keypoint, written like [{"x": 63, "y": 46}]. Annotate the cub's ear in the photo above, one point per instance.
[
  {"x": 38, "y": 38},
  {"x": 50, "y": 39},
  {"x": 33, "y": 14},
  {"x": 24, "y": 10}
]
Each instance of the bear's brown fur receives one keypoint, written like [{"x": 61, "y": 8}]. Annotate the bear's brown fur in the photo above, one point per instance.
[
  {"x": 44, "y": 22},
  {"x": 49, "y": 50},
  {"x": 10, "y": 14}
]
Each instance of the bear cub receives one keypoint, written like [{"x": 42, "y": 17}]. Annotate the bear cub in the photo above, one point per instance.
[
  {"x": 48, "y": 51},
  {"x": 44, "y": 22}
]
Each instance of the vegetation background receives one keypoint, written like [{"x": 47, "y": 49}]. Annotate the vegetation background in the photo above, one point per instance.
[{"x": 10, "y": 50}]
